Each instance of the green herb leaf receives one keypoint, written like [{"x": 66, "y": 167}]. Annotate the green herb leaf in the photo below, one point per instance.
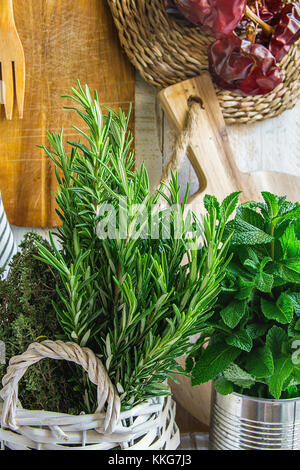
[
  {"x": 228, "y": 205},
  {"x": 247, "y": 234},
  {"x": 275, "y": 338},
  {"x": 223, "y": 386},
  {"x": 251, "y": 216},
  {"x": 213, "y": 361},
  {"x": 290, "y": 270},
  {"x": 233, "y": 313},
  {"x": 256, "y": 330},
  {"x": 238, "y": 376},
  {"x": 295, "y": 298},
  {"x": 282, "y": 371},
  {"x": 240, "y": 339},
  {"x": 272, "y": 203},
  {"x": 282, "y": 311},
  {"x": 260, "y": 362},
  {"x": 264, "y": 282},
  {"x": 211, "y": 203}
]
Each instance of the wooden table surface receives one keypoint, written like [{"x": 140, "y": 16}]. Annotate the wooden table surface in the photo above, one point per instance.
[{"x": 269, "y": 145}]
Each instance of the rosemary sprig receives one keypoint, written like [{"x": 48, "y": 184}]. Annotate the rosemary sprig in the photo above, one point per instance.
[{"x": 134, "y": 298}]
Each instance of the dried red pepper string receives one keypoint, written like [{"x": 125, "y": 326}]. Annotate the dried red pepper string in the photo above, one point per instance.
[{"x": 247, "y": 67}]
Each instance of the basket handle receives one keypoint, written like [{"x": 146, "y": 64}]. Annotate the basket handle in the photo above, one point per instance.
[{"x": 106, "y": 392}]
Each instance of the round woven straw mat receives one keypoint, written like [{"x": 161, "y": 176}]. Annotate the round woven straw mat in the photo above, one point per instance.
[{"x": 166, "y": 51}]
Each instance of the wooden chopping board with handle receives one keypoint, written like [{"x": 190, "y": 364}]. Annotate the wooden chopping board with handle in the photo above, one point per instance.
[{"x": 63, "y": 40}]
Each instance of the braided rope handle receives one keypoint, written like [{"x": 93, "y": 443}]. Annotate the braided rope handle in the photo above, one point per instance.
[
  {"x": 182, "y": 142},
  {"x": 106, "y": 392}
]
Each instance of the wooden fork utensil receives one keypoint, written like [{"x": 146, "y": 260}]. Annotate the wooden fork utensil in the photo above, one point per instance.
[{"x": 12, "y": 61}]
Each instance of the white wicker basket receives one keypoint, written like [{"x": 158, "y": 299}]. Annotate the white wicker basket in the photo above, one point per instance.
[{"x": 150, "y": 425}]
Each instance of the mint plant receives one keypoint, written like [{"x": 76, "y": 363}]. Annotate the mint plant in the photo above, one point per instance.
[
  {"x": 132, "y": 295},
  {"x": 253, "y": 337}
]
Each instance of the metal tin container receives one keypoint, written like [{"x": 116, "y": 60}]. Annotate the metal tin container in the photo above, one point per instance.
[{"x": 239, "y": 422}]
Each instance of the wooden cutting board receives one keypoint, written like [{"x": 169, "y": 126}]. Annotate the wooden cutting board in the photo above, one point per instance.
[{"x": 63, "y": 40}]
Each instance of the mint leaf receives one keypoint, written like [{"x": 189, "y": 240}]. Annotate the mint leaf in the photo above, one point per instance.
[
  {"x": 223, "y": 386},
  {"x": 281, "y": 227},
  {"x": 269, "y": 310},
  {"x": 229, "y": 204},
  {"x": 233, "y": 313},
  {"x": 289, "y": 243},
  {"x": 251, "y": 216},
  {"x": 282, "y": 371},
  {"x": 264, "y": 282},
  {"x": 292, "y": 214},
  {"x": 290, "y": 270},
  {"x": 246, "y": 234},
  {"x": 293, "y": 263},
  {"x": 272, "y": 203},
  {"x": 282, "y": 311},
  {"x": 238, "y": 376},
  {"x": 296, "y": 373},
  {"x": 250, "y": 264},
  {"x": 297, "y": 325},
  {"x": 256, "y": 330},
  {"x": 240, "y": 339},
  {"x": 211, "y": 203},
  {"x": 245, "y": 293},
  {"x": 275, "y": 338},
  {"x": 213, "y": 361},
  {"x": 260, "y": 362},
  {"x": 295, "y": 298},
  {"x": 285, "y": 206},
  {"x": 286, "y": 306}
]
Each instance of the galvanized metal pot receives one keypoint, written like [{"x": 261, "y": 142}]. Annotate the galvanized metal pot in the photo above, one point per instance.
[{"x": 239, "y": 422}]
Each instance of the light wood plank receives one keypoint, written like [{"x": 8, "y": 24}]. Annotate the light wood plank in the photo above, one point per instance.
[{"x": 149, "y": 132}]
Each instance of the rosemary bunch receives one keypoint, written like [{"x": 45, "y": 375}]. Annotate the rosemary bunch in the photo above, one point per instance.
[{"x": 133, "y": 294}]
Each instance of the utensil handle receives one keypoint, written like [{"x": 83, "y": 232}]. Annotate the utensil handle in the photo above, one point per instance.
[{"x": 6, "y": 13}]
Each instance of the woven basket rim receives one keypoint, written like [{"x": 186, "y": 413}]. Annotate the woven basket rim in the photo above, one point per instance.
[
  {"x": 146, "y": 407},
  {"x": 154, "y": 427},
  {"x": 151, "y": 423}
]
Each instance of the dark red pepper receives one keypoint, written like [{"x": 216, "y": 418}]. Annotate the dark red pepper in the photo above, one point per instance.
[
  {"x": 286, "y": 32},
  {"x": 243, "y": 67},
  {"x": 268, "y": 9},
  {"x": 215, "y": 17}
]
